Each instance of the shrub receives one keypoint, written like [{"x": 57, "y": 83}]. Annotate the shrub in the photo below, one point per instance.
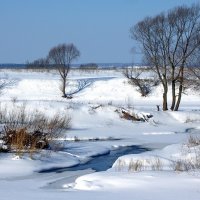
[
  {"x": 31, "y": 132},
  {"x": 182, "y": 165},
  {"x": 193, "y": 141},
  {"x": 144, "y": 85}
]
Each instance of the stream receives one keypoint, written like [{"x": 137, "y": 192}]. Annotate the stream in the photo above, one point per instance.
[
  {"x": 100, "y": 162},
  {"x": 96, "y": 164}
]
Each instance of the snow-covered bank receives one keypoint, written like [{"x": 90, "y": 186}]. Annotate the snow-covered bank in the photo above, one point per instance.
[
  {"x": 143, "y": 185},
  {"x": 151, "y": 175}
]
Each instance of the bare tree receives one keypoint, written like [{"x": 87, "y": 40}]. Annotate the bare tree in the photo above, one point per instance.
[
  {"x": 168, "y": 42},
  {"x": 61, "y": 58},
  {"x": 183, "y": 43},
  {"x": 149, "y": 34}
]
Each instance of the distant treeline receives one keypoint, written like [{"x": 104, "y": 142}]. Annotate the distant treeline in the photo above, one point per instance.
[
  {"x": 12, "y": 66},
  {"x": 32, "y": 65}
]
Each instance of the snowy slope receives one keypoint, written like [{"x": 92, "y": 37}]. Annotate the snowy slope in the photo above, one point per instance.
[{"x": 94, "y": 116}]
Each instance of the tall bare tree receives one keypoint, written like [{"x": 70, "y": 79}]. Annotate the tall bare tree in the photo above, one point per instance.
[
  {"x": 184, "y": 43},
  {"x": 61, "y": 58},
  {"x": 168, "y": 42},
  {"x": 149, "y": 33}
]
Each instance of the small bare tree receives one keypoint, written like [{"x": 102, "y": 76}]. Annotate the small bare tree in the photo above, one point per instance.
[
  {"x": 61, "y": 58},
  {"x": 134, "y": 76}
]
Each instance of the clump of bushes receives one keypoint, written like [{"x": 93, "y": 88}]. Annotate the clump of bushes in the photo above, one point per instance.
[
  {"x": 144, "y": 85},
  {"x": 30, "y": 132}
]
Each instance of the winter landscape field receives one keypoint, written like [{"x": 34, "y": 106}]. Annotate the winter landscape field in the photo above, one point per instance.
[
  {"x": 100, "y": 100},
  {"x": 154, "y": 157}
]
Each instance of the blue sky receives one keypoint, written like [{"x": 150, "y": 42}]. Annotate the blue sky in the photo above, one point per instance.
[{"x": 99, "y": 28}]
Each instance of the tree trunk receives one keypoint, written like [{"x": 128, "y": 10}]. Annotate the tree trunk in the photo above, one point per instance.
[
  {"x": 179, "y": 98},
  {"x": 165, "y": 102},
  {"x": 64, "y": 87},
  {"x": 180, "y": 91},
  {"x": 165, "y": 107},
  {"x": 173, "y": 94}
]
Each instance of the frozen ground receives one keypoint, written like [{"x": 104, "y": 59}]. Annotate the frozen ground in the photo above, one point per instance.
[{"x": 94, "y": 117}]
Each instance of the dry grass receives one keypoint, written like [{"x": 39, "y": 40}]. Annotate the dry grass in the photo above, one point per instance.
[
  {"x": 120, "y": 165},
  {"x": 135, "y": 166},
  {"x": 182, "y": 165},
  {"x": 193, "y": 141},
  {"x": 156, "y": 164},
  {"x": 191, "y": 162},
  {"x": 30, "y": 132},
  {"x": 194, "y": 147}
]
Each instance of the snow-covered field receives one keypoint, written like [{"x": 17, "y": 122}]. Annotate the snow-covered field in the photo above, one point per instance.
[{"x": 98, "y": 128}]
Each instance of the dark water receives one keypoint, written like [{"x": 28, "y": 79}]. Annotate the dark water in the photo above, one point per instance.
[{"x": 101, "y": 163}]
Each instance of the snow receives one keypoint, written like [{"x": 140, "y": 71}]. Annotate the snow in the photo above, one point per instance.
[
  {"x": 143, "y": 185},
  {"x": 97, "y": 128},
  {"x": 13, "y": 167}
]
